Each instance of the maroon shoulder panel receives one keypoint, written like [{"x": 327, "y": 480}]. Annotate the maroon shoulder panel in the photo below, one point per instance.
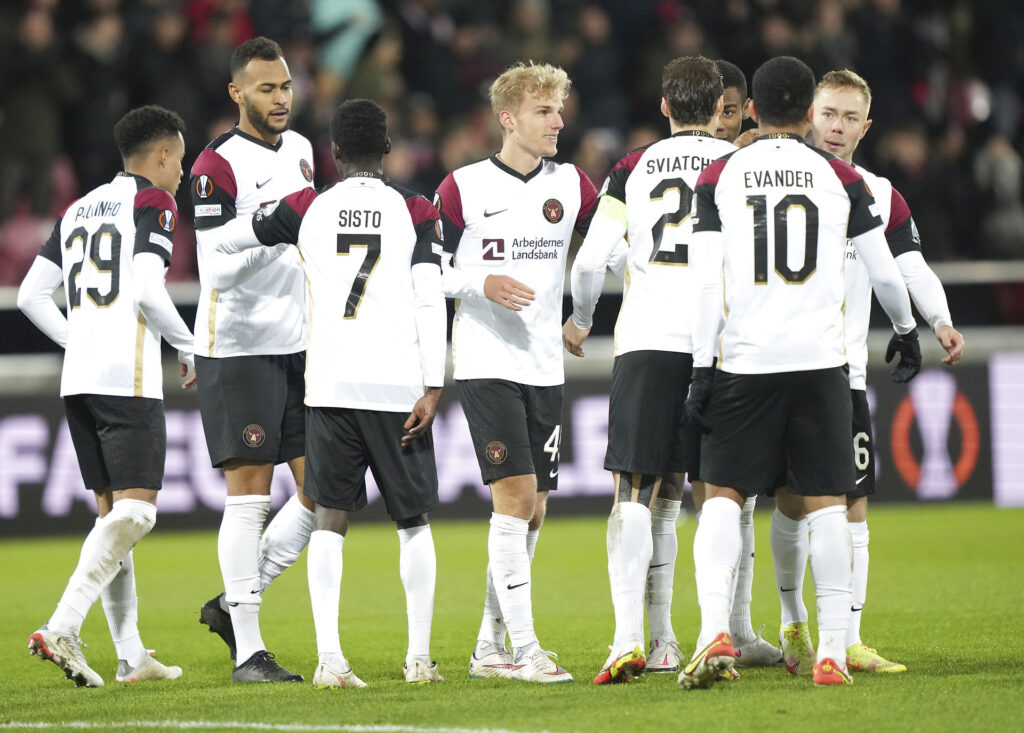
[{"x": 212, "y": 164}]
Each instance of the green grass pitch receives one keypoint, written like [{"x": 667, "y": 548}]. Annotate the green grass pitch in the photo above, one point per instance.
[{"x": 945, "y": 597}]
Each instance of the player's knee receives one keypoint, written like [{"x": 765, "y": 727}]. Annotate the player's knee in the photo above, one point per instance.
[
  {"x": 419, "y": 520},
  {"x": 637, "y": 487},
  {"x": 132, "y": 517},
  {"x": 331, "y": 520}
]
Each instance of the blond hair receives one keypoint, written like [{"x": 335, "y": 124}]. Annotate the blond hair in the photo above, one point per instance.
[
  {"x": 542, "y": 80},
  {"x": 845, "y": 79}
]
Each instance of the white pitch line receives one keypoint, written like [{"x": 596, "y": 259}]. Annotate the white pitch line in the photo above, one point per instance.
[{"x": 244, "y": 725}]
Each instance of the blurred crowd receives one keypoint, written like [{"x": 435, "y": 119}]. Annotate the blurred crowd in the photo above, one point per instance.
[{"x": 947, "y": 77}]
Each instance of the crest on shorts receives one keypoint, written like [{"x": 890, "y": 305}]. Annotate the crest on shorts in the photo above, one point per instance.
[
  {"x": 553, "y": 210},
  {"x": 307, "y": 170},
  {"x": 254, "y": 435},
  {"x": 204, "y": 186},
  {"x": 496, "y": 452}
]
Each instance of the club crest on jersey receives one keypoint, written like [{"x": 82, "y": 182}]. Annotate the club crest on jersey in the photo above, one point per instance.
[
  {"x": 307, "y": 170},
  {"x": 494, "y": 250},
  {"x": 254, "y": 435},
  {"x": 166, "y": 220},
  {"x": 553, "y": 210},
  {"x": 204, "y": 187},
  {"x": 496, "y": 452}
]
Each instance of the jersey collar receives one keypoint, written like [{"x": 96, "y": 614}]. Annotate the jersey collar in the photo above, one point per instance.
[
  {"x": 258, "y": 141},
  {"x": 692, "y": 133},
  {"x": 365, "y": 174},
  {"x": 513, "y": 172},
  {"x": 140, "y": 181},
  {"x": 781, "y": 136}
]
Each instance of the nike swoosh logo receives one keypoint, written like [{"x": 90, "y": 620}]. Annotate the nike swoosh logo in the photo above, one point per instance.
[
  {"x": 855, "y": 610},
  {"x": 861, "y": 478},
  {"x": 492, "y": 213},
  {"x": 786, "y": 590},
  {"x": 254, "y": 592},
  {"x": 552, "y": 474},
  {"x": 520, "y": 585},
  {"x": 261, "y": 185},
  {"x": 659, "y": 566}
]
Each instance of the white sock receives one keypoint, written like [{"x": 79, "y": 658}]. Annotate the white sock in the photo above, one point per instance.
[
  {"x": 629, "y": 556},
  {"x": 284, "y": 540},
  {"x": 121, "y": 607},
  {"x": 324, "y": 565},
  {"x": 739, "y": 620},
  {"x": 661, "y": 573},
  {"x": 716, "y": 553},
  {"x": 492, "y": 627},
  {"x": 832, "y": 570},
  {"x": 789, "y": 554},
  {"x": 510, "y": 572},
  {"x": 109, "y": 542},
  {"x": 417, "y": 565},
  {"x": 238, "y": 548},
  {"x": 532, "y": 535},
  {"x": 859, "y": 536}
]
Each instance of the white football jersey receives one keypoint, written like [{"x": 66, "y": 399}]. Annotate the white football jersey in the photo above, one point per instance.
[
  {"x": 111, "y": 348},
  {"x": 233, "y": 177},
  {"x": 901, "y": 234},
  {"x": 359, "y": 240},
  {"x": 500, "y": 222},
  {"x": 656, "y": 184},
  {"x": 785, "y": 211}
]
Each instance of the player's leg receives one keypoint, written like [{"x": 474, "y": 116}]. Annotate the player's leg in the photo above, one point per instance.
[
  {"x": 789, "y": 554},
  {"x": 287, "y": 534},
  {"x": 859, "y": 656},
  {"x": 663, "y": 654},
  {"x": 745, "y": 446},
  {"x": 407, "y": 479},
  {"x": 629, "y": 547},
  {"x": 335, "y": 479},
  {"x": 751, "y": 649},
  {"x": 120, "y": 443},
  {"x": 821, "y": 470}
]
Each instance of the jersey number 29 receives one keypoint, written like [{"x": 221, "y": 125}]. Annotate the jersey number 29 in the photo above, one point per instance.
[{"x": 91, "y": 248}]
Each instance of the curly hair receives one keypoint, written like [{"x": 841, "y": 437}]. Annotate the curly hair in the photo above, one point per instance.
[
  {"x": 141, "y": 127},
  {"x": 360, "y": 130},
  {"x": 783, "y": 90}
]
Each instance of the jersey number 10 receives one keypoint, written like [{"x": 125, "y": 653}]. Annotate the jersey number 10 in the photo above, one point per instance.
[{"x": 760, "y": 206}]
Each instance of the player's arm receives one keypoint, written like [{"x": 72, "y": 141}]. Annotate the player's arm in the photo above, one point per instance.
[
  {"x": 35, "y": 296},
  {"x": 212, "y": 188},
  {"x": 155, "y": 218},
  {"x": 430, "y": 314},
  {"x": 923, "y": 284}
]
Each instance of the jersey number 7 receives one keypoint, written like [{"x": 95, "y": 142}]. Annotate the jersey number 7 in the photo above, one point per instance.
[{"x": 347, "y": 242}]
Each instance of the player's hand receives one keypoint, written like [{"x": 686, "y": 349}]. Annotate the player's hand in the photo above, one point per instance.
[
  {"x": 701, "y": 384},
  {"x": 421, "y": 416},
  {"x": 746, "y": 138},
  {"x": 187, "y": 363},
  {"x": 909, "y": 348},
  {"x": 953, "y": 342},
  {"x": 573, "y": 337},
  {"x": 508, "y": 292}
]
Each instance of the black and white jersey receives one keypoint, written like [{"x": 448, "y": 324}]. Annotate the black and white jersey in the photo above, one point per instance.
[
  {"x": 233, "y": 177},
  {"x": 500, "y": 222},
  {"x": 782, "y": 212},
  {"x": 111, "y": 348},
  {"x": 648, "y": 198},
  {"x": 377, "y": 322},
  {"x": 901, "y": 234}
]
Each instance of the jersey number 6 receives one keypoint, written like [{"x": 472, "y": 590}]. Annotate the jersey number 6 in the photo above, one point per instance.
[{"x": 347, "y": 242}]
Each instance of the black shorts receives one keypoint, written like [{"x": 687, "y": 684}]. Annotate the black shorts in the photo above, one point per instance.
[
  {"x": 121, "y": 442},
  {"x": 252, "y": 407},
  {"x": 789, "y": 427},
  {"x": 648, "y": 431},
  {"x": 516, "y": 428},
  {"x": 342, "y": 443},
  {"x": 863, "y": 446}
]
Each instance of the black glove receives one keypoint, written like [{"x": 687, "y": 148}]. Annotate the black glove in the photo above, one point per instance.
[
  {"x": 909, "y": 348},
  {"x": 697, "y": 399}
]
